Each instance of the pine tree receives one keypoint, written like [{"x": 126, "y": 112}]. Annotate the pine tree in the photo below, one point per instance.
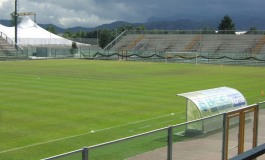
[
  {"x": 226, "y": 26},
  {"x": 12, "y": 20}
]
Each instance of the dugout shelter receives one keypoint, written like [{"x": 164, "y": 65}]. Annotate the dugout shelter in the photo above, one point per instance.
[{"x": 208, "y": 103}]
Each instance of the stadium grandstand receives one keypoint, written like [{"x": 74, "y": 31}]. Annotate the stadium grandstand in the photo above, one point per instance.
[
  {"x": 212, "y": 43},
  {"x": 187, "y": 46},
  {"x": 243, "y": 48}
]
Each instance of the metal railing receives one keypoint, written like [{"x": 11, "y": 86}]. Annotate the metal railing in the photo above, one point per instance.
[
  {"x": 227, "y": 32},
  {"x": 10, "y": 41},
  {"x": 183, "y": 57},
  {"x": 167, "y": 143},
  {"x": 251, "y": 154},
  {"x": 116, "y": 40}
]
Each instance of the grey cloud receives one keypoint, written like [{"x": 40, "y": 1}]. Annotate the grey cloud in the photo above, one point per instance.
[{"x": 90, "y": 13}]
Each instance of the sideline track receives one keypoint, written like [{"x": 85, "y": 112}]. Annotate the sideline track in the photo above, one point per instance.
[{"x": 91, "y": 132}]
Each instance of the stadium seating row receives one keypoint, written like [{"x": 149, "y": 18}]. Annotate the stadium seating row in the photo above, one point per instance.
[{"x": 209, "y": 43}]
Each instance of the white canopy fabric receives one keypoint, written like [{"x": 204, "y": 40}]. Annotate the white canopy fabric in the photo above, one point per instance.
[
  {"x": 216, "y": 100},
  {"x": 209, "y": 103},
  {"x": 29, "y": 33}
]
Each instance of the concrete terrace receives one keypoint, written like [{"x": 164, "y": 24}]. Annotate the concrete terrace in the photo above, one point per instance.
[{"x": 211, "y": 43}]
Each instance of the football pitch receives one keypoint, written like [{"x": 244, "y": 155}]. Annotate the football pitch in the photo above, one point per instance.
[{"x": 48, "y": 107}]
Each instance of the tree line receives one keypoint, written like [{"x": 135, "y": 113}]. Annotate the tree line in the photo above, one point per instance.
[{"x": 104, "y": 36}]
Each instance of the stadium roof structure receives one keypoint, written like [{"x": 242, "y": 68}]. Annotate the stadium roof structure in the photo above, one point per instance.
[{"x": 29, "y": 33}]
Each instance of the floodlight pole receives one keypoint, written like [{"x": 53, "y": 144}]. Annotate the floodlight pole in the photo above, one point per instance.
[{"x": 15, "y": 22}]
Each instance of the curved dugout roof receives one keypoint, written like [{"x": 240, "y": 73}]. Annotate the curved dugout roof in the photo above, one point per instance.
[{"x": 217, "y": 100}]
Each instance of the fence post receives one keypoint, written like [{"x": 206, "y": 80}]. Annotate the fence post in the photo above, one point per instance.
[
  {"x": 256, "y": 126},
  {"x": 85, "y": 154},
  {"x": 224, "y": 145},
  {"x": 170, "y": 143}
]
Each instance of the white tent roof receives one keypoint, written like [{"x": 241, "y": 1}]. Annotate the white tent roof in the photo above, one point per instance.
[{"x": 29, "y": 33}]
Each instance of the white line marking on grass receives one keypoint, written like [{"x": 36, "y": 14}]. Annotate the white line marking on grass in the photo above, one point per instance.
[
  {"x": 137, "y": 122},
  {"x": 78, "y": 135},
  {"x": 182, "y": 117},
  {"x": 37, "y": 144},
  {"x": 145, "y": 127},
  {"x": 165, "y": 122}
]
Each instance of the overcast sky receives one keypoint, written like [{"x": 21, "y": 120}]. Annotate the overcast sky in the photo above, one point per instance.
[{"x": 91, "y": 13}]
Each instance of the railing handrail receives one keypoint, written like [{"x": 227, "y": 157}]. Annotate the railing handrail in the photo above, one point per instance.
[
  {"x": 133, "y": 136},
  {"x": 12, "y": 42},
  {"x": 217, "y": 32},
  {"x": 147, "y": 133},
  {"x": 64, "y": 154},
  {"x": 115, "y": 40},
  {"x": 252, "y": 153}
]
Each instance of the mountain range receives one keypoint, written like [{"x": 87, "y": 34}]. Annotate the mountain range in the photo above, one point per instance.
[{"x": 165, "y": 24}]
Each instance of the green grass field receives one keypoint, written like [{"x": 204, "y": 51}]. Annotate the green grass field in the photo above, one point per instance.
[{"x": 48, "y": 107}]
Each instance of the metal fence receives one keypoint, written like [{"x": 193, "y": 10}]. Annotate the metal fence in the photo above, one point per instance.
[
  {"x": 48, "y": 52},
  {"x": 183, "y": 57},
  {"x": 174, "y": 142},
  {"x": 85, "y": 52}
]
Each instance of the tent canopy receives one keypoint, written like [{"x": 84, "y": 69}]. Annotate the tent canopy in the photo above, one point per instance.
[{"x": 29, "y": 33}]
